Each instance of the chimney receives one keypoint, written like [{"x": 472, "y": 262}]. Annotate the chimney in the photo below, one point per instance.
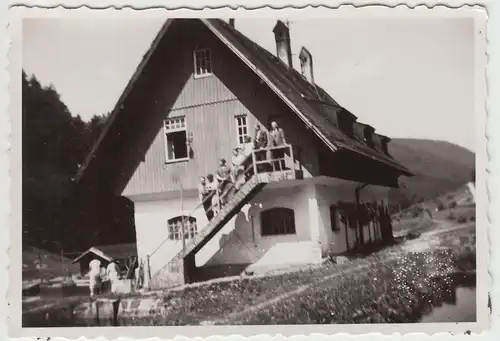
[
  {"x": 283, "y": 47},
  {"x": 306, "y": 65},
  {"x": 231, "y": 22}
]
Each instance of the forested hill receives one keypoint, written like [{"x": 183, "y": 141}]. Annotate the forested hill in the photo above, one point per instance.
[
  {"x": 55, "y": 143},
  {"x": 439, "y": 167}
]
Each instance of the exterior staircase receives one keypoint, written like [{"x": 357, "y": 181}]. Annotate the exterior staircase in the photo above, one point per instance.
[{"x": 181, "y": 268}]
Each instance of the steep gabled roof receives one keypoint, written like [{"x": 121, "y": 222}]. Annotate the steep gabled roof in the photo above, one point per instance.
[
  {"x": 306, "y": 97},
  {"x": 313, "y": 105}
]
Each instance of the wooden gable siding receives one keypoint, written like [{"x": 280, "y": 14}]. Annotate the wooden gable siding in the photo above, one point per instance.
[
  {"x": 214, "y": 135},
  {"x": 210, "y": 105}
]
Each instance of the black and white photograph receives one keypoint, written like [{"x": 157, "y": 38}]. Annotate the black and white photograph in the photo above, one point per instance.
[{"x": 232, "y": 170}]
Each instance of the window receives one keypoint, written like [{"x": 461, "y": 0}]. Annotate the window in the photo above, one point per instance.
[
  {"x": 276, "y": 221},
  {"x": 334, "y": 219},
  {"x": 241, "y": 128},
  {"x": 175, "y": 228},
  {"x": 176, "y": 139},
  {"x": 202, "y": 63}
]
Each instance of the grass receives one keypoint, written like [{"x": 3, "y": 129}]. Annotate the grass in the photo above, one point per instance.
[
  {"x": 384, "y": 293},
  {"x": 390, "y": 287}
]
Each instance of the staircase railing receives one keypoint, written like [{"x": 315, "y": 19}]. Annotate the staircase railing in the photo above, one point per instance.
[{"x": 260, "y": 160}]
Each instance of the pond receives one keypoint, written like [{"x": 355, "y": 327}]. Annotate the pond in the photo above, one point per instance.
[
  {"x": 450, "y": 299},
  {"x": 456, "y": 301},
  {"x": 462, "y": 310}
]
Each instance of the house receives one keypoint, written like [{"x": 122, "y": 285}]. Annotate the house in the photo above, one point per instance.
[
  {"x": 124, "y": 254},
  {"x": 199, "y": 91}
]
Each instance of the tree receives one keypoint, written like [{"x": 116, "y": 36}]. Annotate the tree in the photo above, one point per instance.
[{"x": 55, "y": 144}]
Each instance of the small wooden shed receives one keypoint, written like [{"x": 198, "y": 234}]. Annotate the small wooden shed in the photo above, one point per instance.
[{"x": 124, "y": 254}]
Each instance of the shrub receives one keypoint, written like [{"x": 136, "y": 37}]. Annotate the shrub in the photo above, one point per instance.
[
  {"x": 453, "y": 204},
  {"x": 412, "y": 235},
  {"x": 462, "y": 219},
  {"x": 440, "y": 205},
  {"x": 472, "y": 218}
]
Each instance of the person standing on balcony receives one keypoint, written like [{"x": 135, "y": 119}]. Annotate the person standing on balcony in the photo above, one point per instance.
[
  {"x": 260, "y": 141},
  {"x": 278, "y": 140},
  {"x": 204, "y": 195}
]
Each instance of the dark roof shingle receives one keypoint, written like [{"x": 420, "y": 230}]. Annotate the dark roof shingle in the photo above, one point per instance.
[{"x": 314, "y": 102}]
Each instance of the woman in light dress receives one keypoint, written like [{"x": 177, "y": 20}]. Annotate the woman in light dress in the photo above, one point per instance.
[
  {"x": 94, "y": 276},
  {"x": 113, "y": 274}
]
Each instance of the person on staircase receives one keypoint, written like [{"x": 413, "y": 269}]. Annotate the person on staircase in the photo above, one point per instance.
[
  {"x": 223, "y": 177},
  {"x": 205, "y": 197},
  {"x": 212, "y": 187},
  {"x": 248, "y": 146},
  {"x": 237, "y": 172}
]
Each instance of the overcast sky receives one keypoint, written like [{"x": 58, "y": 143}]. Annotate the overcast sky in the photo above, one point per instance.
[{"x": 407, "y": 78}]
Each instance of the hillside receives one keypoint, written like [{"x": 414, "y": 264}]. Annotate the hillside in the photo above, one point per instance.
[
  {"x": 439, "y": 167},
  {"x": 38, "y": 263}
]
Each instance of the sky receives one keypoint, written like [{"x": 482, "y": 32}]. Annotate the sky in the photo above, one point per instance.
[{"x": 411, "y": 78}]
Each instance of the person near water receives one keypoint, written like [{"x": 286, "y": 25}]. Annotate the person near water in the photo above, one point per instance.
[
  {"x": 113, "y": 274},
  {"x": 139, "y": 275},
  {"x": 94, "y": 276}
]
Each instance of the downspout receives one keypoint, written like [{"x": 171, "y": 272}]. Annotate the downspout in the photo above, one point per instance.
[
  {"x": 253, "y": 231},
  {"x": 358, "y": 224}
]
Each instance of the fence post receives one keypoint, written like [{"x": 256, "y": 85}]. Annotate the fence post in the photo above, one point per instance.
[
  {"x": 147, "y": 273},
  {"x": 253, "y": 162}
]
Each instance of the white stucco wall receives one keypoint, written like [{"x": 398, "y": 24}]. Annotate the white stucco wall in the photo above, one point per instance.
[
  {"x": 151, "y": 230},
  {"x": 330, "y": 192},
  {"x": 246, "y": 244},
  {"x": 241, "y": 240}
]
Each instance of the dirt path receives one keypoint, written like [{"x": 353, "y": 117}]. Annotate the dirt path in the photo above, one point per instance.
[
  {"x": 424, "y": 243},
  {"x": 429, "y": 240}
]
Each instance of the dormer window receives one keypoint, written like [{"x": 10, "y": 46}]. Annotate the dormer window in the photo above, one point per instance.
[
  {"x": 368, "y": 136},
  {"x": 346, "y": 124},
  {"x": 202, "y": 63},
  {"x": 385, "y": 145}
]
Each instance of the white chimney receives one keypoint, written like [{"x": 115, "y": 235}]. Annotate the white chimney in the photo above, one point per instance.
[
  {"x": 283, "y": 47},
  {"x": 306, "y": 65}
]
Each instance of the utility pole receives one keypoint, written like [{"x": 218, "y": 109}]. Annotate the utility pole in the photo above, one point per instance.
[
  {"x": 176, "y": 178},
  {"x": 182, "y": 220}
]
